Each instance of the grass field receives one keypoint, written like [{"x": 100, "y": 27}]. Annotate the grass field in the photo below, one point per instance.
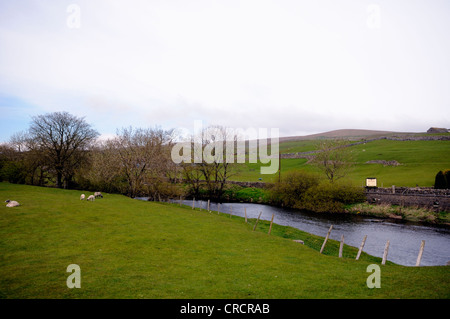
[
  {"x": 133, "y": 249},
  {"x": 420, "y": 161}
]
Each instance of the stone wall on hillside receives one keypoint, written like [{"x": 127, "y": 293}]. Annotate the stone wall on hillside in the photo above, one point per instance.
[
  {"x": 427, "y": 197},
  {"x": 310, "y": 154}
]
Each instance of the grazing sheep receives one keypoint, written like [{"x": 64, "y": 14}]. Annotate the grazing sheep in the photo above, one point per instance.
[
  {"x": 98, "y": 194},
  {"x": 82, "y": 197},
  {"x": 11, "y": 203},
  {"x": 91, "y": 198}
]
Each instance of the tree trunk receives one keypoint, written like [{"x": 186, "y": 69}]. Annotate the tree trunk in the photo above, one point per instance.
[{"x": 58, "y": 180}]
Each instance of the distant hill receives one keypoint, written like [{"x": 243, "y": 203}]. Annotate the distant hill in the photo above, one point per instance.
[{"x": 345, "y": 133}]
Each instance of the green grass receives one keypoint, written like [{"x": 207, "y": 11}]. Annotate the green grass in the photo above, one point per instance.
[
  {"x": 133, "y": 249},
  {"x": 420, "y": 161},
  {"x": 246, "y": 194},
  {"x": 297, "y": 146},
  {"x": 250, "y": 172}
]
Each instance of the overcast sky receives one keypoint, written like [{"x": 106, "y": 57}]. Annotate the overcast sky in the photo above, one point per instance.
[{"x": 301, "y": 66}]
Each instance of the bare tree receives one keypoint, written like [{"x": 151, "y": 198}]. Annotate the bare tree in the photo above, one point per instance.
[
  {"x": 193, "y": 176},
  {"x": 214, "y": 169},
  {"x": 334, "y": 158},
  {"x": 104, "y": 168},
  {"x": 143, "y": 157},
  {"x": 61, "y": 140}
]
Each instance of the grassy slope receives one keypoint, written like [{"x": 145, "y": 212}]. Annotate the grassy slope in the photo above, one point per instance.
[
  {"x": 420, "y": 160},
  {"x": 132, "y": 249}
]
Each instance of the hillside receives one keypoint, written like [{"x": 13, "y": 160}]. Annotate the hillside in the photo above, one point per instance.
[
  {"x": 134, "y": 249},
  {"x": 419, "y": 160},
  {"x": 351, "y": 134}
]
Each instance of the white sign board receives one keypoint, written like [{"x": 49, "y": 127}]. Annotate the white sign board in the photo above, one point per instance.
[{"x": 371, "y": 182}]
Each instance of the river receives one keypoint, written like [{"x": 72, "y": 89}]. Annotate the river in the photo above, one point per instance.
[{"x": 404, "y": 237}]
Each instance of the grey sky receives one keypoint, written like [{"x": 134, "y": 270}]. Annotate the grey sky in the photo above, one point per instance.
[{"x": 301, "y": 66}]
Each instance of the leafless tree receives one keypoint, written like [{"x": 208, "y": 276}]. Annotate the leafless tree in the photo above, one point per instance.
[
  {"x": 214, "y": 169},
  {"x": 334, "y": 158},
  {"x": 143, "y": 157},
  {"x": 61, "y": 140},
  {"x": 193, "y": 176},
  {"x": 102, "y": 173}
]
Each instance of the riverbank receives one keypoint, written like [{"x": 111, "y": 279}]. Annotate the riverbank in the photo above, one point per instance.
[
  {"x": 405, "y": 237},
  {"x": 242, "y": 194},
  {"x": 412, "y": 213},
  {"x": 405, "y": 213}
]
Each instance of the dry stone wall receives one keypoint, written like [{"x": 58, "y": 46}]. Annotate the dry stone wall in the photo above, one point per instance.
[{"x": 438, "y": 199}]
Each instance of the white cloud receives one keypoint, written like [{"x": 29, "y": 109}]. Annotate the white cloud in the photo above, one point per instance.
[{"x": 300, "y": 66}]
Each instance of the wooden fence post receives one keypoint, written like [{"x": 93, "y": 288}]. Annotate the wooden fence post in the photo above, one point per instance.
[
  {"x": 326, "y": 238},
  {"x": 386, "y": 249},
  {"x": 271, "y": 222},
  {"x": 341, "y": 247},
  {"x": 180, "y": 201},
  {"x": 257, "y": 221},
  {"x": 208, "y": 206},
  {"x": 361, "y": 247},
  {"x": 193, "y": 205},
  {"x": 419, "y": 257},
  {"x": 245, "y": 213}
]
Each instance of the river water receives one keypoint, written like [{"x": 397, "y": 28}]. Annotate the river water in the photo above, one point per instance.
[{"x": 405, "y": 238}]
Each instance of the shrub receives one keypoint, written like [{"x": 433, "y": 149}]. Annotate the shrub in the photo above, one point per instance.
[
  {"x": 331, "y": 197},
  {"x": 290, "y": 191},
  {"x": 447, "y": 177},
  {"x": 251, "y": 194},
  {"x": 161, "y": 190},
  {"x": 13, "y": 172},
  {"x": 349, "y": 194},
  {"x": 305, "y": 191},
  {"x": 441, "y": 180}
]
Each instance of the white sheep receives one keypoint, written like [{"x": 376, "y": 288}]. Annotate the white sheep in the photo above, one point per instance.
[
  {"x": 82, "y": 197},
  {"x": 11, "y": 203},
  {"x": 98, "y": 194},
  {"x": 91, "y": 198}
]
